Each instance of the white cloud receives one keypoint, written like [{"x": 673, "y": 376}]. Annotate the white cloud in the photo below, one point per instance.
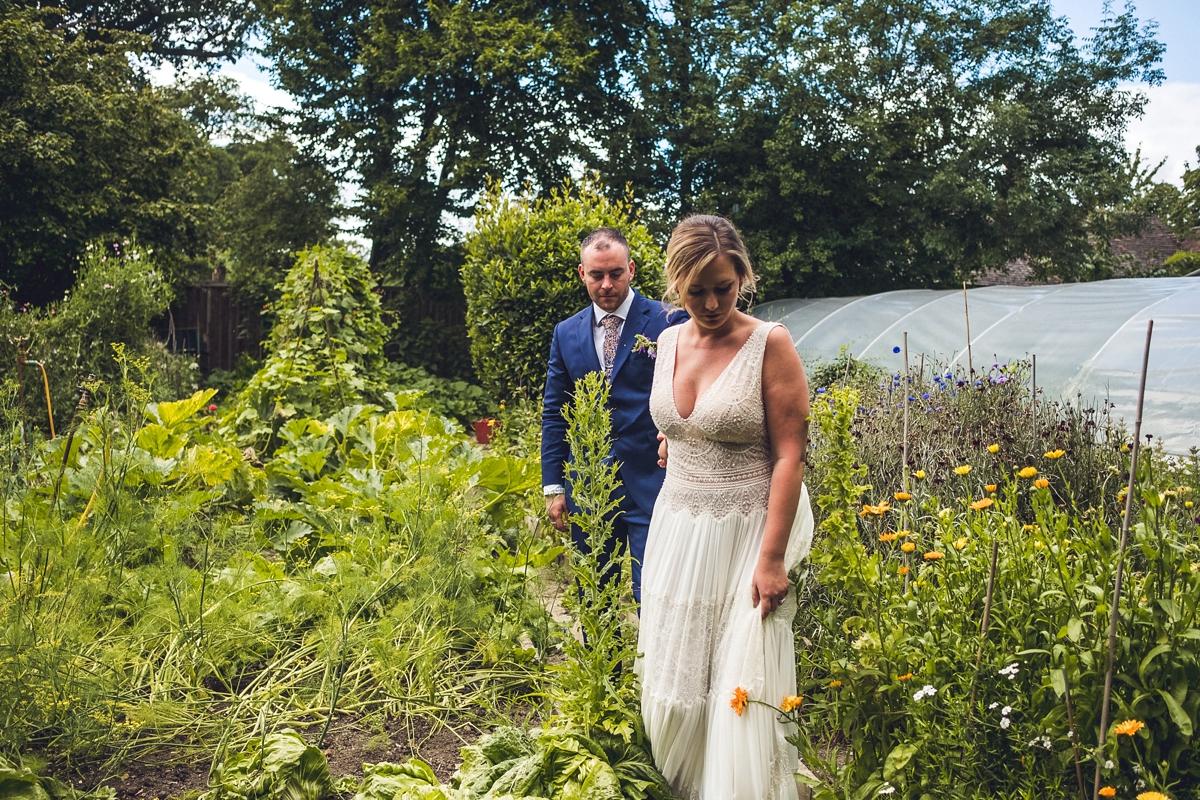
[{"x": 1170, "y": 129}]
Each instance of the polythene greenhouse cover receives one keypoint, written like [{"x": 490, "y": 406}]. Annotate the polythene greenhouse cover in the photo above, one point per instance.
[{"x": 1088, "y": 339}]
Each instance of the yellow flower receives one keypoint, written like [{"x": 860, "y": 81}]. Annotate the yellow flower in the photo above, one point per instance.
[
  {"x": 875, "y": 511},
  {"x": 908, "y": 547},
  {"x": 502, "y": 406},
  {"x": 991, "y": 487},
  {"x": 1124, "y": 448},
  {"x": 960, "y": 543},
  {"x": 790, "y": 703},
  {"x": 993, "y": 448},
  {"x": 1055, "y": 454},
  {"x": 1041, "y": 483},
  {"x": 902, "y": 496},
  {"x": 980, "y": 505},
  {"x": 887, "y": 537},
  {"x": 1108, "y": 791},
  {"x": 1188, "y": 504},
  {"x": 946, "y": 513},
  {"x": 932, "y": 555},
  {"x": 1152, "y": 796},
  {"x": 738, "y": 703},
  {"x": 835, "y": 684},
  {"x": 902, "y": 571},
  {"x": 904, "y": 677},
  {"x": 920, "y": 474},
  {"x": 1029, "y": 527},
  {"x": 904, "y": 534},
  {"x": 963, "y": 470},
  {"x": 1129, "y": 727},
  {"x": 1028, "y": 472},
  {"x": 1038, "y": 544}
]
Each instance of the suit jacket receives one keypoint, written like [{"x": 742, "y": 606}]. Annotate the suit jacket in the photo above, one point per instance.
[{"x": 635, "y": 437}]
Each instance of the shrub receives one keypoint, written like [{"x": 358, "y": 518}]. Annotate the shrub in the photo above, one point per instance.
[{"x": 520, "y": 277}]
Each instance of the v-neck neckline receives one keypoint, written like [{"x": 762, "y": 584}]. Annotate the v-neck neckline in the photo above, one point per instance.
[{"x": 704, "y": 394}]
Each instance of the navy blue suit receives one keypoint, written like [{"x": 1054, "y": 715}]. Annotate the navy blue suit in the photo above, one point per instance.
[{"x": 635, "y": 437}]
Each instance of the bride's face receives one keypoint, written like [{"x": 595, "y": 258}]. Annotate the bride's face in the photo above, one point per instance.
[{"x": 712, "y": 297}]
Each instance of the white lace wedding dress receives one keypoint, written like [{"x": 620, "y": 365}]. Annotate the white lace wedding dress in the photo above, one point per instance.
[{"x": 700, "y": 635}]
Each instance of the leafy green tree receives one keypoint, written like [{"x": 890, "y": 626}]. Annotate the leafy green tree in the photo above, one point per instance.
[
  {"x": 89, "y": 150},
  {"x": 521, "y": 277},
  {"x": 179, "y": 31},
  {"x": 864, "y": 145}
]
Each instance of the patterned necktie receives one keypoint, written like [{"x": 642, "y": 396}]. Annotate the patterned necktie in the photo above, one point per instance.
[{"x": 612, "y": 338}]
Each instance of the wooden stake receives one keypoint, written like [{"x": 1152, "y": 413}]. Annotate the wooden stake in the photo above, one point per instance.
[
  {"x": 1033, "y": 384},
  {"x": 1116, "y": 599},
  {"x": 904, "y": 450},
  {"x": 967, "y": 314},
  {"x": 21, "y": 391}
]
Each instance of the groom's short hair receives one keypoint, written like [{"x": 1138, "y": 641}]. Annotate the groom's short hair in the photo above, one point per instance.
[{"x": 602, "y": 239}]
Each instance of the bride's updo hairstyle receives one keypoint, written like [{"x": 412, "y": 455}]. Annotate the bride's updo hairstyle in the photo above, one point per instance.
[{"x": 695, "y": 243}]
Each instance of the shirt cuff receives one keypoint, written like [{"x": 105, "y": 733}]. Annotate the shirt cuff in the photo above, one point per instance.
[{"x": 553, "y": 489}]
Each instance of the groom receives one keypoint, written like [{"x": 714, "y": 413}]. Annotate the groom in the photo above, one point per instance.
[{"x": 599, "y": 339}]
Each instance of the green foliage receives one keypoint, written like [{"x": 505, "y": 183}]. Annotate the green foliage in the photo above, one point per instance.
[
  {"x": 88, "y": 151},
  {"x": 895, "y": 670},
  {"x": 326, "y": 348},
  {"x": 521, "y": 276},
  {"x": 279, "y": 766},
  {"x": 120, "y": 289}
]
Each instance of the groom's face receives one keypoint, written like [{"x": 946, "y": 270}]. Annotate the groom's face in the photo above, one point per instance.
[{"x": 606, "y": 273}]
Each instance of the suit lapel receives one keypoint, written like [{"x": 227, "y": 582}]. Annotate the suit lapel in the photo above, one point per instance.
[
  {"x": 635, "y": 323},
  {"x": 584, "y": 341}
]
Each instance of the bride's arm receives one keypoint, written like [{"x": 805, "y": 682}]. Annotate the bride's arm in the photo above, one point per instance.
[{"x": 785, "y": 399}]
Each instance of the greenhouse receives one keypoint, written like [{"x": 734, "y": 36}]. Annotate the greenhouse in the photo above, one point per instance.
[{"x": 1088, "y": 339}]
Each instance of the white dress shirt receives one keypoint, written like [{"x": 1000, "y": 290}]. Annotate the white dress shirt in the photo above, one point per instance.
[{"x": 598, "y": 332}]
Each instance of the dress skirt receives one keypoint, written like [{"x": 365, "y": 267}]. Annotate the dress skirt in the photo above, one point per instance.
[{"x": 700, "y": 639}]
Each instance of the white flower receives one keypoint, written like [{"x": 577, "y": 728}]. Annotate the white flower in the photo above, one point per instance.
[
  {"x": 993, "y": 706},
  {"x": 1006, "y": 710},
  {"x": 1141, "y": 784},
  {"x": 924, "y": 691},
  {"x": 887, "y": 788},
  {"x": 1004, "y": 723},
  {"x": 1108, "y": 765},
  {"x": 1010, "y": 671},
  {"x": 1137, "y": 769}
]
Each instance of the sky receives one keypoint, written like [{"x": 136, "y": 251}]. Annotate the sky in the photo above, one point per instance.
[{"x": 1169, "y": 131}]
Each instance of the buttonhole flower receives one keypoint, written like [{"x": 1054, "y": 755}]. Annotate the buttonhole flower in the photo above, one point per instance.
[
  {"x": 993, "y": 706},
  {"x": 1010, "y": 672},
  {"x": 896, "y": 349},
  {"x": 1151, "y": 795},
  {"x": 642, "y": 344}
]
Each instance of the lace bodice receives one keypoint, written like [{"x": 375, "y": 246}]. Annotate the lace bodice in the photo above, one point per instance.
[{"x": 719, "y": 458}]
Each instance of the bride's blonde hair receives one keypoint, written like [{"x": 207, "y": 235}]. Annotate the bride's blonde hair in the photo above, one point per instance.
[{"x": 695, "y": 243}]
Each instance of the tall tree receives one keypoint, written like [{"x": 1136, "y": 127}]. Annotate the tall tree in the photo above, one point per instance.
[
  {"x": 865, "y": 145},
  {"x": 180, "y": 31},
  {"x": 88, "y": 148}
]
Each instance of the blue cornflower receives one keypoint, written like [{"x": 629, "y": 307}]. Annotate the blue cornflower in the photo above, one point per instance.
[
  {"x": 820, "y": 391},
  {"x": 896, "y": 349},
  {"x": 925, "y": 396}
]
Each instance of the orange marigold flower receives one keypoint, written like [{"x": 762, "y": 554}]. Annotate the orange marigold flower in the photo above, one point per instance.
[
  {"x": 740, "y": 698},
  {"x": 1041, "y": 483},
  {"x": 902, "y": 496},
  {"x": 980, "y": 505},
  {"x": 1028, "y": 472},
  {"x": 875, "y": 511},
  {"x": 908, "y": 547},
  {"x": 835, "y": 684},
  {"x": 1129, "y": 727},
  {"x": 790, "y": 703},
  {"x": 963, "y": 470},
  {"x": 887, "y": 537},
  {"x": 903, "y": 570},
  {"x": 1055, "y": 454},
  {"x": 991, "y": 487},
  {"x": 1108, "y": 791},
  {"x": 1152, "y": 796},
  {"x": 932, "y": 555},
  {"x": 906, "y": 676}
]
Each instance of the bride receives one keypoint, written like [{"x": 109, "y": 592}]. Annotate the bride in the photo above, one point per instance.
[{"x": 732, "y": 518}]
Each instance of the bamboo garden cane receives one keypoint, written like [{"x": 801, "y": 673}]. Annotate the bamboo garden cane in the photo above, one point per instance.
[
  {"x": 904, "y": 455},
  {"x": 967, "y": 315},
  {"x": 1116, "y": 597}
]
